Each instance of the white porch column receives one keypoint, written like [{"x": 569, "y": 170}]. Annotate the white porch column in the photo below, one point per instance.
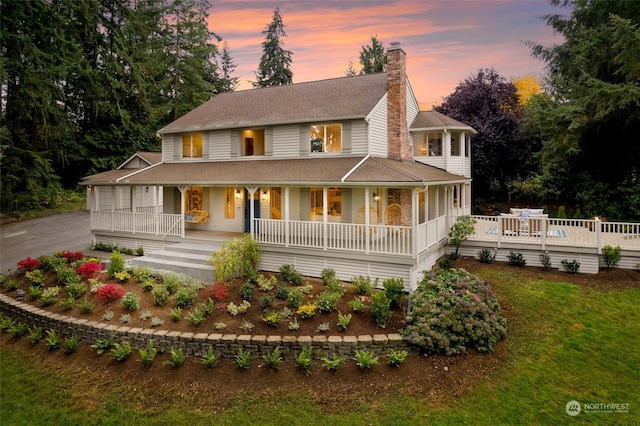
[
  {"x": 182, "y": 189},
  {"x": 132, "y": 203},
  {"x": 325, "y": 208},
  {"x": 287, "y": 231},
  {"x": 252, "y": 214},
  {"x": 414, "y": 221},
  {"x": 156, "y": 208},
  {"x": 113, "y": 206},
  {"x": 367, "y": 220}
]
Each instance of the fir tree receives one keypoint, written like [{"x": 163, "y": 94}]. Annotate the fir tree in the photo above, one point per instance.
[{"x": 275, "y": 63}]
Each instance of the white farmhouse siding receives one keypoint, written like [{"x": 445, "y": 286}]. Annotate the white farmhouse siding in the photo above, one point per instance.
[
  {"x": 286, "y": 141},
  {"x": 169, "y": 147},
  {"x": 359, "y": 141},
  {"x": 412, "y": 105},
  {"x": 219, "y": 144},
  {"x": 378, "y": 129}
]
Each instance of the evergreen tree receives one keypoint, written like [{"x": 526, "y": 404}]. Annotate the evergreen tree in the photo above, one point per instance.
[
  {"x": 275, "y": 63},
  {"x": 226, "y": 82},
  {"x": 591, "y": 119},
  {"x": 373, "y": 58}
]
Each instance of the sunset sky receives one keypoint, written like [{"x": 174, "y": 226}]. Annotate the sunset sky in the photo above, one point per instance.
[{"x": 446, "y": 41}]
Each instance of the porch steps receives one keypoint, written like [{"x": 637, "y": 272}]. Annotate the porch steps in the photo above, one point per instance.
[{"x": 187, "y": 258}]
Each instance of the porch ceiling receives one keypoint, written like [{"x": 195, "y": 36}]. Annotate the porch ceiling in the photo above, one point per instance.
[{"x": 310, "y": 171}]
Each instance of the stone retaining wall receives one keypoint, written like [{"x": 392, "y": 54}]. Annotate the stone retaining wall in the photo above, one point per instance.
[{"x": 197, "y": 344}]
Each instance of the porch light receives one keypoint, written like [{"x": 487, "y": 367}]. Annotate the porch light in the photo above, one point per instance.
[
  {"x": 375, "y": 196},
  {"x": 264, "y": 195},
  {"x": 237, "y": 193}
]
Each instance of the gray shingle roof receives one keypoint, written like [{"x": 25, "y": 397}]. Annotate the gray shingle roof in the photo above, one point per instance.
[
  {"x": 426, "y": 120},
  {"x": 331, "y": 170},
  {"x": 346, "y": 97}
]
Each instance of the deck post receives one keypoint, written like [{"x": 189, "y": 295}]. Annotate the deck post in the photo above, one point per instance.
[
  {"x": 543, "y": 235},
  {"x": 325, "y": 207},
  {"x": 598, "y": 225},
  {"x": 287, "y": 230}
]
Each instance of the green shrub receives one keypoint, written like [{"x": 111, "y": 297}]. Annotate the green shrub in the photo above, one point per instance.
[
  {"x": 322, "y": 328},
  {"x": 210, "y": 359},
  {"x": 394, "y": 289},
  {"x": 561, "y": 213},
  {"x": 266, "y": 284},
  {"x": 516, "y": 259},
  {"x": 160, "y": 295},
  {"x": 365, "y": 359},
  {"x": 235, "y": 310},
  {"x": 381, "y": 309},
  {"x": 327, "y": 275},
  {"x": 145, "y": 315},
  {"x": 273, "y": 359},
  {"x": 171, "y": 283},
  {"x": 35, "y": 334},
  {"x": 396, "y": 357},
  {"x": 272, "y": 319},
  {"x": 289, "y": 274},
  {"x": 247, "y": 326},
  {"x": 294, "y": 324},
  {"x": 18, "y": 329},
  {"x": 147, "y": 284},
  {"x": 335, "y": 285},
  {"x": 196, "y": 318},
  {"x": 176, "y": 314},
  {"x": 120, "y": 351},
  {"x": 10, "y": 283},
  {"x": 327, "y": 301},
  {"x": 116, "y": 265},
  {"x": 447, "y": 261},
  {"x": 177, "y": 358},
  {"x": 71, "y": 345},
  {"x": 52, "y": 340},
  {"x": 307, "y": 311},
  {"x": 207, "y": 306},
  {"x": 460, "y": 231},
  {"x": 186, "y": 297},
  {"x": 363, "y": 285},
  {"x": 147, "y": 356},
  {"x": 246, "y": 290},
  {"x": 107, "y": 315},
  {"x": 67, "y": 303},
  {"x": 545, "y": 259},
  {"x": 266, "y": 301},
  {"x": 237, "y": 257},
  {"x": 452, "y": 310},
  {"x": 85, "y": 306},
  {"x": 130, "y": 301},
  {"x": 243, "y": 359},
  {"x": 156, "y": 322},
  {"x": 282, "y": 293},
  {"x": 304, "y": 360},
  {"x": 335, "y": 363},
  {"x": 102, "y": 345},
  {"x": 36, "y": 277},
  {"x": 611, "y": 256},
  {"x": 486, "y": 256},
  {"x": 295, "y": 297},
  {"x": 343, "y": 321},
  {"x": 35, "y": 292},
  {"x": 571, "y": 267},
  {"x": 76, "y": 289},
  {"x": 356, "y": 305},
  {"x": 125, "y": 318}
]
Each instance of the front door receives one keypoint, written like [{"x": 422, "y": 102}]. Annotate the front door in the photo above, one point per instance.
[{"x": 247, "y": 209}]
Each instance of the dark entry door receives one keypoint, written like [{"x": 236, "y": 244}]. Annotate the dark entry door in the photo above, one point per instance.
[{"x": 247, "y": 210}]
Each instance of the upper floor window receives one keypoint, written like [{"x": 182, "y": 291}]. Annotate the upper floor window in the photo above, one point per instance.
[
  {"x": 326, "y": 137},
  {"x": 455, "y": 144},
  {"x": 434, "y": 143},
  {"x": 467, "y": 145},
  {"x": 192, "y": 145},
  {"x": 252, "y": 142}
]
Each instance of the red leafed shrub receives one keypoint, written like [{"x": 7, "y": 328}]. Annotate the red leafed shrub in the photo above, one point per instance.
[
  {"x": 89, "y": 269},
  {"x": 220, "y": 292},
  {"x": 72, "y": 256},
  {"x": 28, "y": 264},
  {"x": 110, "y": 293}
]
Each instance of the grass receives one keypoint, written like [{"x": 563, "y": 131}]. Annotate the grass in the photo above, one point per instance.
[{"x": 565, "y": 343}]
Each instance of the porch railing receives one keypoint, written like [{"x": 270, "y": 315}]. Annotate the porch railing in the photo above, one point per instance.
[
  {"x": 588, "y": 233},
  {"x": 137, "y": 223},
  {"x": 351, "y": 237}
]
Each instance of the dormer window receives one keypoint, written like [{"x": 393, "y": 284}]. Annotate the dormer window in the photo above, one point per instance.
[
  {"x": 326, "y": 137},
  {"x": 192, "y": 145},
  {"x": 434, "y": 144},
  {"x": 455, "y": 144}
]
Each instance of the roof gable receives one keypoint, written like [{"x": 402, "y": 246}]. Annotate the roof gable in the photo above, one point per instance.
[
  {"x": 333, "y": 99},
  {"x": 433, "y": 120}
]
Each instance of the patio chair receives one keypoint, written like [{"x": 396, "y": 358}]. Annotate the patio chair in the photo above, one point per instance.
[
  {"x": 393, "y": 215},
  {"x": 196, "y": 216}
]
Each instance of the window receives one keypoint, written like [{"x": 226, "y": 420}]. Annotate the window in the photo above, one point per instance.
[
  {"x": 192, "y": 145},
  {"x": 193, "y": 199},
  {"x": 467, "y": 144},
  {"x": 229, "y": 203},
  {"x": 334, "y": 204},
  {"x": 455, "y": 144},
  {"x": 276, "y": 203},
  {"x": 326, "y": 137},
  {"x": 251, "y": 142},
  {"x": 434, "y": 141}
]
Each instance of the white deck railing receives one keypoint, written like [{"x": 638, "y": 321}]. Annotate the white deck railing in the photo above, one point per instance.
[
  {"x": 378, "y": 239},
  {"x": 590, "y": 233},
  {"x": 137, "y": 223}
]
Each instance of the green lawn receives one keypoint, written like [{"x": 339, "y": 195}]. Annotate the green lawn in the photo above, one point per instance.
[{"x": 565, "y": 343}]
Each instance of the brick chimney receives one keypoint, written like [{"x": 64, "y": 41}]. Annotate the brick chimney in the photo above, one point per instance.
[{"x": 397, "y": 132}]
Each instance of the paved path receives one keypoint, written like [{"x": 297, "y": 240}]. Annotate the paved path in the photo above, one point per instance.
[{"x": 45, "y": 236}]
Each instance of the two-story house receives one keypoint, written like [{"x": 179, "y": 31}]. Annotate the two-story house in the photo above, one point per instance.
[{"x": 345, "y": 173}]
